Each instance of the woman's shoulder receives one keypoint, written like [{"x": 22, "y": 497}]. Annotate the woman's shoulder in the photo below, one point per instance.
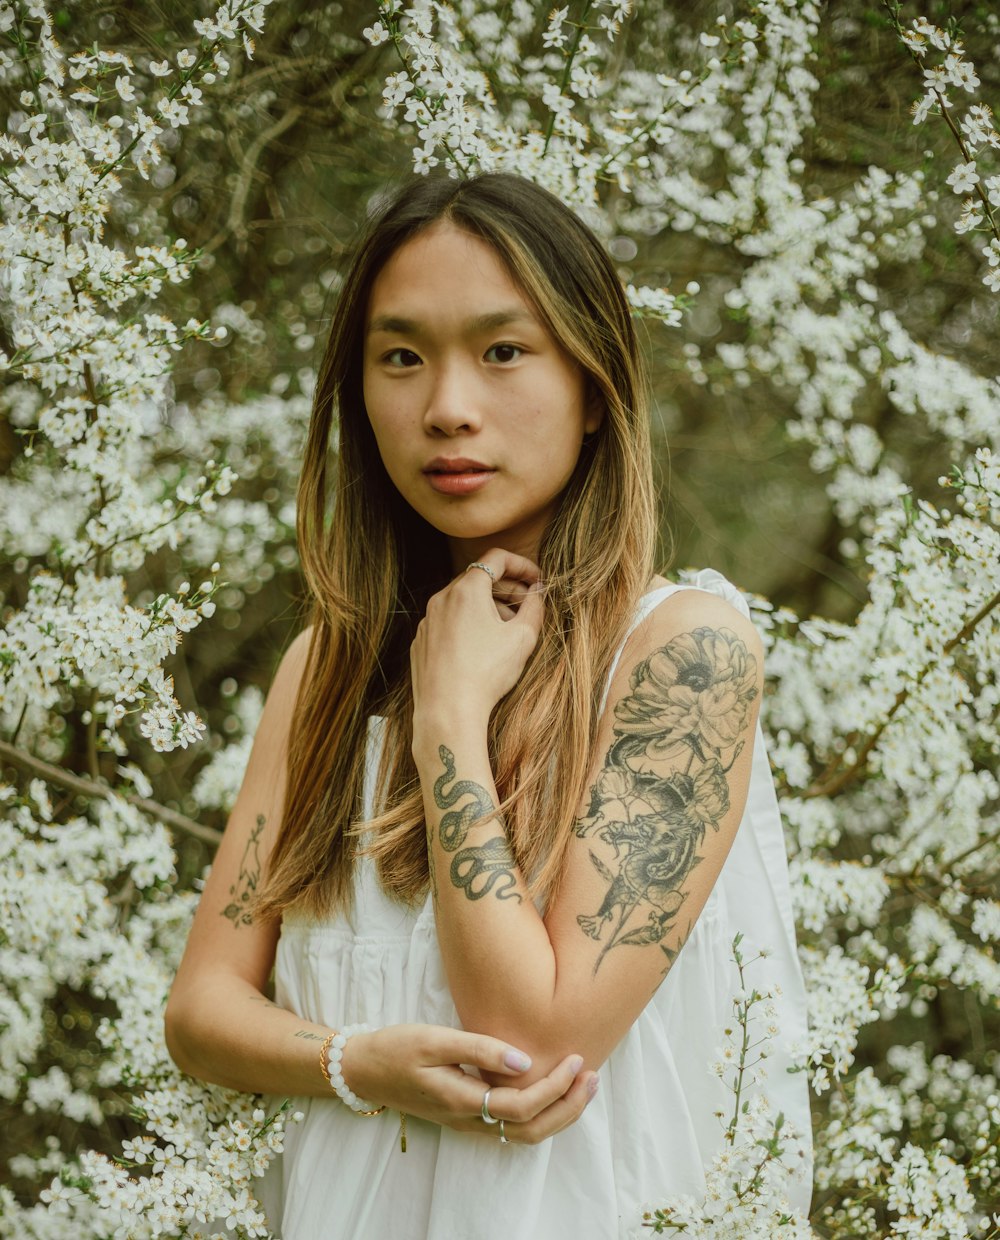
[
  {"x": 293, "y": 663},
  {"x": 704, "y": 581},
  {"x": 702, "y": 606}
]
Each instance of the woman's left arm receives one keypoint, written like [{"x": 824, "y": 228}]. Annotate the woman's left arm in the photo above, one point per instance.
[{"x": 666, "y": 794}]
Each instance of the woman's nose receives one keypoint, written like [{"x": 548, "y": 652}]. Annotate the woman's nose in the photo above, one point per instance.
[{"x": 453, "y": 404}]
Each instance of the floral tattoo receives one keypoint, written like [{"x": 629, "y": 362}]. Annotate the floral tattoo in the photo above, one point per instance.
[
  {"x": 242, "y": 891},
  {"x": 687, "y": 706}
]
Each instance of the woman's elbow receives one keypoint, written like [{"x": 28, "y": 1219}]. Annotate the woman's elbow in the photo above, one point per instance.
[{"x": 177, "y": 1034}]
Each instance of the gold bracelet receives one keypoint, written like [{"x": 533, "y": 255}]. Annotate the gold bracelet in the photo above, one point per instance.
[
  {"x": 335, "y": 1042},
  {"x": 322, "y": 1058}
]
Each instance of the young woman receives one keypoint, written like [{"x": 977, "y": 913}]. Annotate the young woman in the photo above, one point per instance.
[{"x": 508, "y": 803}]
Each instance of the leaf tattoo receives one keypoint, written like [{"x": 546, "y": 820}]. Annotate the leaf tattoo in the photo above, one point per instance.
[
  {"x": 481, "y": 868},
  {"x": 241, "y": 893},
  {"x": 688, "y": 705}
]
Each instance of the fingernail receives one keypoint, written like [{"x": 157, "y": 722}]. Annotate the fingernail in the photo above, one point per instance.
[
  {"x": 592, "y": 1085},
  {"x": 536, "y": 587},
  {"x": 517, "y": 1061},
  {"x": 575, "y": 1064}
]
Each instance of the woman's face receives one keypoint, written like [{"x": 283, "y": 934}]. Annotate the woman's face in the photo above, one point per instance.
[{"x": 478, "y": 413}]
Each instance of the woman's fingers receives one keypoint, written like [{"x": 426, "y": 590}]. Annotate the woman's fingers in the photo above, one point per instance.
[
  {"x": 504, "y": 565},
  {"x": 510, "y": 590},
  {"x": 423, "y": 1070},
  {"x": 479, "y": 1050},
  {"x": 564, "y": 1111},
  {"x": 520, "y": 1105},
  {"x": 531, "y": 612}
]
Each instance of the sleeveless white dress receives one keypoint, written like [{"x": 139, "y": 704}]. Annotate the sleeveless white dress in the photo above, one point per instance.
[{"x": 652, "y": 1127}]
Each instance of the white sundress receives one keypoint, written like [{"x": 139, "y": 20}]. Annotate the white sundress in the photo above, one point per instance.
[{"x": 652, "y": 1127}]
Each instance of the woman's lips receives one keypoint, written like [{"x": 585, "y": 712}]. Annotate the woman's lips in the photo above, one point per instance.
[{"x": 458, "y": 476}]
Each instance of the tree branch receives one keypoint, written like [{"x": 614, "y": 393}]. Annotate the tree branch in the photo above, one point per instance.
[
  {"x": 832, "y": 781},
  {"x": 91, "y": 788}
]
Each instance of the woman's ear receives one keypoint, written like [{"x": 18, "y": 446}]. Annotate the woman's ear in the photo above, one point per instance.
[{"x": 594, "y": 408}]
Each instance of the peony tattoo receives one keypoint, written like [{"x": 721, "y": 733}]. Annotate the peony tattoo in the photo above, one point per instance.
[{"x": 688, "y": 705}]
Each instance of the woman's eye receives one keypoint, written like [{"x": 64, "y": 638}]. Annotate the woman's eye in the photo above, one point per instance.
[
  {"x": 402, "y": 357},
  {"x": 503, "y": 353}
]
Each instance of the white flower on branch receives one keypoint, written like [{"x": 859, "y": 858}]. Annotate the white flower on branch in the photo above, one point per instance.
[
  {"x": 376, "y": 34},
  {"x": 971, "y": 217},
  {"x": 960, "y": 73},
  {"x": 963, "y": 177},
  {"x": 554, "y": 35}
]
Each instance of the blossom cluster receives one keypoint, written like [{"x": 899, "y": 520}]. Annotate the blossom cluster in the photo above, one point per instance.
[
  {"x": 946, "y": 69},
  {"x": 746, "y": 1193},
  {"x": 108, "y": 478}
]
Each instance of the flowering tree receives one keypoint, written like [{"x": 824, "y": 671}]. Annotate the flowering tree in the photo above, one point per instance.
[{"x": 130, "y": 472}]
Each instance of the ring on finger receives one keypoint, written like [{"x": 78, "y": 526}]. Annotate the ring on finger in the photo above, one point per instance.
[
  {"x": 487, "y": 1117},
  {"x": 486, "y": 569},
  {"x": 504, "y": 1140}
]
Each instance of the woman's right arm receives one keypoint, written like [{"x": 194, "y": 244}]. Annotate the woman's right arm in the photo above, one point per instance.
[
  {"x": 221, "y": 1027},
  {"x": 219, "y": 1024}
]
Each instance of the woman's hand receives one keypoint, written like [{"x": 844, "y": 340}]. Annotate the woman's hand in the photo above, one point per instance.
[
  {"x": 416, "y": 1069},
  {"x": 472, "y": 645}
]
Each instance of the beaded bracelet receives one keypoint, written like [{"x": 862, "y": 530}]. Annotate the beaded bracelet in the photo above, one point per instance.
[{"x": 330, "y": 1056}]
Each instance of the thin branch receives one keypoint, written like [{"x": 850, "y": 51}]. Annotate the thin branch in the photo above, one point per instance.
[
  {"x": 581, "y": 26},
  {"x": 944, "y": 108},
  {"x": 91, "y": 788},
  {"x": 236, "y": 225}
]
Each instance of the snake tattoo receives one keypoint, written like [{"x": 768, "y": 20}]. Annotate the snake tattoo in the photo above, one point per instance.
[
  {"x": 455, "y": 824},
  {"x": 480, "y": 869},
  {"x": 491, "y": 859}
]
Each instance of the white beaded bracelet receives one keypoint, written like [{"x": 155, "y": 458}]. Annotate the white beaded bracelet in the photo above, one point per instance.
[{"x": 329, "y": 1061}]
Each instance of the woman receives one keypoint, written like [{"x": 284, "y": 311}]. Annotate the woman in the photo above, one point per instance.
[{"x": 497, "y": 781}]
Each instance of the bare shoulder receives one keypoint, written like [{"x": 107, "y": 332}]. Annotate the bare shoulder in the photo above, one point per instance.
[
  {"x": 290, "y": 670},
  {"x": 225, "y": 934},
  {"x": 701, "y": 608},
  {"x": 712, "y": 629},
  {"x": 260, "y": 803}
]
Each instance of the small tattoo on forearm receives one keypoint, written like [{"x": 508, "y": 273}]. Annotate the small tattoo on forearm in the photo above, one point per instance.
[
  {"x": 482, "y": 868},
  {"x": 455, "y": 824},
  {"x": 477, "y": 871},
  {"x": 688, "y": 707},
  {"x": 307, "y": 1036},
  {"x": 241, "y": 893}
]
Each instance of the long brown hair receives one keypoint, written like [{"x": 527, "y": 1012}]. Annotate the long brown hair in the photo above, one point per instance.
[{"x": 372, "y": 570}]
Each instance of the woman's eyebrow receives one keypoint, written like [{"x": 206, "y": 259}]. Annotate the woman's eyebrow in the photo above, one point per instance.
[{"x": 393, "y": 323}]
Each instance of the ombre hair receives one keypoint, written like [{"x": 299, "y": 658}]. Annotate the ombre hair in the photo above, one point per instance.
[{"x": 371, "y": 569}]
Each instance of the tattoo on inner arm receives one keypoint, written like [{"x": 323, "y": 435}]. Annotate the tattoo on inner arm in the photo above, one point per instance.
[
  {"x": 480, "y": 868},
  {"x": 307, "y": 1036},
  {"x": 241, "y": 893},
  {"x": 687, "y": 707}
]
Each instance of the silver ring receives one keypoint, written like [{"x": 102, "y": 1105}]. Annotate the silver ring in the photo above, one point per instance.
[
  {"x": 487, "y": 1117},
  {"x": 486, "y": 569},
  {"x": 503, "y": 1139}
]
